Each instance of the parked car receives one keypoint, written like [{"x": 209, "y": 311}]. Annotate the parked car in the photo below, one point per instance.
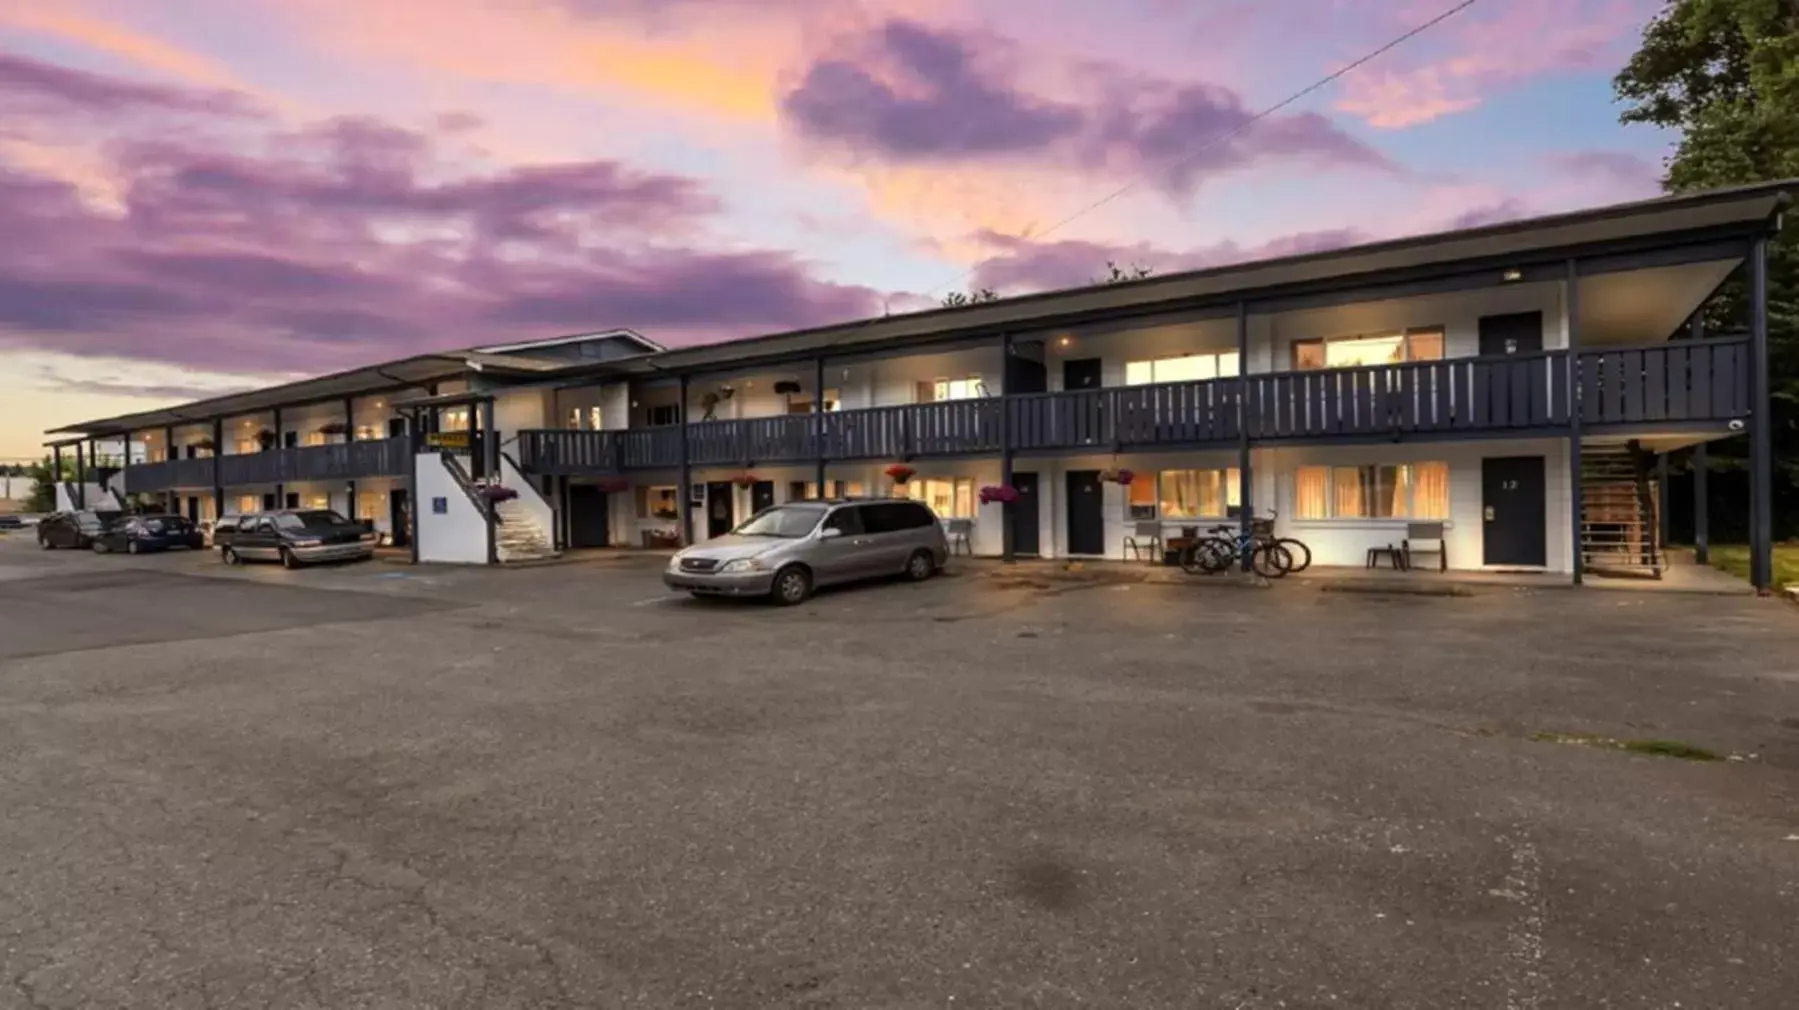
[
  {"x": 218, "y": 531},
  {"x": 72, "y": 529},
  {"x": 787, "y": 551},
  {"x": 11, "y": 522},
  {"x": 143, "y": 534},
  {"x": 297, "y": 537}
]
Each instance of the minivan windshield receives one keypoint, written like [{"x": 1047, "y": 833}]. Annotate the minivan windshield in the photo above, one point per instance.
[
  {"x": 789, "y": 522},
  {"x": 317, "y": 520}
]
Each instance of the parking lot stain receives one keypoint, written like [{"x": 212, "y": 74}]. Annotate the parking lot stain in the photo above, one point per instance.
[{"x": 1049, "y": 883}]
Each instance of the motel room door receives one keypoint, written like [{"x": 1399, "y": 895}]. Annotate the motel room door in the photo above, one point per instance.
[
  {"x": 720, "y": 507},
  {"x": 587, "y": 512},
  {"x": 1514, "y": 513},
  {"x": 1086, "y": 513}
]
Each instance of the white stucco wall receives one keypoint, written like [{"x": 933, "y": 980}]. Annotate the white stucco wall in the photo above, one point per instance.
[{"x": 459, "y": 536}]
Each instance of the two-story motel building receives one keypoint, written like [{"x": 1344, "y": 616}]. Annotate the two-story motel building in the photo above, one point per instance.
[{"x": 1516, "y": 383}]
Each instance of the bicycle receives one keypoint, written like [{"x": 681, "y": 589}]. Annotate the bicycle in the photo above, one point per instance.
[
  {"x": 1302, "y": 555},
  {"x": 1226, "y": 545}
]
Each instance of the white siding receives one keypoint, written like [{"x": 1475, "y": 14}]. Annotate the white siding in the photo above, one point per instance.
[
  {"x": 459, "y": 536},
  {"x": 1458, "y": 313}
]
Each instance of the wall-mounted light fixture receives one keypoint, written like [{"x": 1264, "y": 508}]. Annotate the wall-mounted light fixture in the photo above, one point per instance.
[
  {"x": 1064, "y": 342},
  {"x": 1513, "y": 275}
]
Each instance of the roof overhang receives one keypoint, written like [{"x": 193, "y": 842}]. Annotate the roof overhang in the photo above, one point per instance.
[{"x": 408, "y": 372}]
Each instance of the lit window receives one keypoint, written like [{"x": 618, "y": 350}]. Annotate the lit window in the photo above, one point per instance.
[
  {"x": 248, "y": 503},
  {"x": 453, "y": 419},
  {"x": 371, "y": 506},
  {"x": 1369, "y": 349},
  {"x": 1142, "y": 498},
  {"x": 658, "y": 503},
  {"x": 316, "y": 501},
  {"x": 1196, "y": 494},
  {"x": 949, "y": 497},
  {"x": 801, "y": 403},
  {"x": 1414, "y": 491},
  {"x": 1183, "y": 368},
  {"x": 585, "y": 419},
  {"x": 952, "y": 389}
]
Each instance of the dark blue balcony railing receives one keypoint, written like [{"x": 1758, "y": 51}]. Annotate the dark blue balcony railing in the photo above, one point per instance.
[
  {"x": 1705, "y": 381},
  {"x": 343, "y": 461}
]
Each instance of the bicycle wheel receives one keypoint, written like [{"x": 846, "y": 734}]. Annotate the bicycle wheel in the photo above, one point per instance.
[
  {"x": 1302, "y": 555},
  {"x": 1271, "y": 561}
]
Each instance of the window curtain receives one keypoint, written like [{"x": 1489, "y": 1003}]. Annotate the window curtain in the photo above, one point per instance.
[
  {"x": 1430, "y": 494},
  {"x": 1349, "y": 496},
  {"x": 1311, "y": 487}
]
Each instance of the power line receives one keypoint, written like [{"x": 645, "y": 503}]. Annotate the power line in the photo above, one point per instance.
[{"x": 1236, "y": 131}]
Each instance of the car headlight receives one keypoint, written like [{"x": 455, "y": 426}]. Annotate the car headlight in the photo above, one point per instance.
[
  {"x": 739, "y": 565},
  {"x": 307, "y": 543},
  {"x": 674, "y": 563}
]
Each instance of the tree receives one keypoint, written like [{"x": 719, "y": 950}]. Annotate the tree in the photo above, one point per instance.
[
  {"x": 956, "y": 299},
  {"x": 43, "y": 494},
  {"x": 1724, "y": 74},
  {"x": 1119, "y": 275}
]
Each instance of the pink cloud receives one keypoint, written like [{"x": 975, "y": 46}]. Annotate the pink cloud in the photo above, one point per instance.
[
  {"x": 911, "y": 93},
  {"x": 1485, "y": 49},
  {"x": 352, "y": 240}
]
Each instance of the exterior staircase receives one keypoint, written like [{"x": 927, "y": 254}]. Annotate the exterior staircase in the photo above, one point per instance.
[
  {"x": 1619, "y": 528},
  {"x": 519, "y": 536}
]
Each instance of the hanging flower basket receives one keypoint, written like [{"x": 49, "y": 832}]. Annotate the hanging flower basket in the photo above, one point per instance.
[
  {"x": 744, "y": 480},
  {"x": 1117, "y": 476},
  {"x": 613, "y": 485},
  {"x": 265, "y": 439},
  {"x": 786, "y": 387},
  {"x": 497, "y": 493},
  {"x": 1005, "y": 494},
  {"x": 1125, "y": 477},
  {"x": 900, "y": 473},
  {"x": 206, "y": 443},
  {"x": 334, "y": 428}
]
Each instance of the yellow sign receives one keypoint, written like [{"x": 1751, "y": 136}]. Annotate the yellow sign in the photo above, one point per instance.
[{"x": 448, "y": 440}]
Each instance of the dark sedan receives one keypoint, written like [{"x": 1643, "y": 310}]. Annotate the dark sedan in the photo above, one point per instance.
[
  {"x": 143, "y": 534},
  {"x": 71, "y": 529},
  {"x": 298, "y": 537}
]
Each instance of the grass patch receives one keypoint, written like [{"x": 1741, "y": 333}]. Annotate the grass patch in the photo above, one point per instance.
[
  {"x": 1734, "y": 558},
  {"x": 1654, "y": 748}
]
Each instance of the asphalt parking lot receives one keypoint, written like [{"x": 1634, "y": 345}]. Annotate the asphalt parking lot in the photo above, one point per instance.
[{"x": 385, "y": 786}]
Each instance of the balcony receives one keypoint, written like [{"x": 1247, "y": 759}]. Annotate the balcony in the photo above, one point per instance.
[
  {"x": 344, "y": 461},
  {"x": 1705, "y": 382}
]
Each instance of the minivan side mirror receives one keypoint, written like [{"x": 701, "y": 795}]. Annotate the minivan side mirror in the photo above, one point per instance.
[{"x": 829, "y": 533}]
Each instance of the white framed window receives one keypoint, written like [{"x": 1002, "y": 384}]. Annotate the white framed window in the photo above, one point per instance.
[
  {"x": 1187, "y": 494},
  {"x": 660, "y": 502},
  {"x": 1419, "y": 344},
  {"x": 371, "y": 506},
  {"x": 952, "y": 389},
  {"x": 315, "y": 501},
  {"x": 801, "y": 403},
  {"x": 585, "y": 419},
  {"x": 453, "y": 419},
  {"x": 1181, "y": 368},
  {"x": 1378, "y": 491},
  {"x": 949, "y": 497}
]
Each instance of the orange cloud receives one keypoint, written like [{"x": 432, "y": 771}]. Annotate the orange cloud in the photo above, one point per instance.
[{"x": 120, "y": 41}]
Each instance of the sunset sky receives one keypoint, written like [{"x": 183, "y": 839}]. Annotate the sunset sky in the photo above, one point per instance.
[{"x": 201, "y": 195}]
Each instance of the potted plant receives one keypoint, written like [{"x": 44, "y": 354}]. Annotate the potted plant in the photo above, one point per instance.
[
  {"x": 334, "y": 428},
  {"x": 496, "y": 493},
  {"x": 900, "y": 473},
  {"x": 1005, "y": 494},
  {"x": 265, "y": 439},
  {"x": 1123, "y": 477},
  {"x": 787, "y": 387}
]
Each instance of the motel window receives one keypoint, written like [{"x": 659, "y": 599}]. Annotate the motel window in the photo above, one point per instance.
[
  {"x": 1182, "y": 368},
  {"x": 658, "y": 503},
  {"x": 801, "y": 490},
  {"x": 1402, "y": 491},
  {"x": 453, "y": 419},
  {"x": 585, "y": 419},
  {"x": 369, "y": 433},
  {"x": 949, "y": 497},
  {"x": 371, "y": 506},
  {"x": 801, "y": 403},
  {"x": 1193, "y": 494},
  {"x": 316, "y": 438},
  {"x": 247, "y": 503},
  {"x": 315, "y": 501},
  {"x": 951, "y": 389},
  {"x": 1424, "y": 344},
  {"x": 663, "y": 416}
]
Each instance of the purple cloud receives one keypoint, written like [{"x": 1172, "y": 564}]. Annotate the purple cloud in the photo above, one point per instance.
[
  {"x": 911, "y": 93},
  {"x": 34, "y": 88},
  {"x": 1508, "y": 209},
  {"x": 347, "y": 242},
  {"x": 1636, "y": 175}
]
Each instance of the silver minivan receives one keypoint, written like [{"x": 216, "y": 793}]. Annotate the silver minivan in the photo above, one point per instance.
[{"x": 789, "y": 550}]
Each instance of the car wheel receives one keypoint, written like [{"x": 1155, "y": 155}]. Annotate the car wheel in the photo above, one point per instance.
[
  {"x": 100, "y": 548},
  {"x": 229, "y": 556},
  {"x": 45, "y": 543},
  {"x": 792, "y": 585},
  {"x": 920, "y": 566},
  {"x": 288, "y": 560},
  {"x": 131, "y": 547}
]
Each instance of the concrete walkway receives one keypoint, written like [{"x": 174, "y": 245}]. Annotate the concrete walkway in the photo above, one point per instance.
[{"x": 1699, "y": 579}]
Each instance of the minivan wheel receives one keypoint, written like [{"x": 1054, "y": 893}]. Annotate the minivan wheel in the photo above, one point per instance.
[
  {"x": 288, "y": 560},
  {"x": 100, "y": 548},
  {"x": 920, "y": 566},
  {"x": 45, "y": 543},
  {"x": 228, "y": 555},
  {"x": 792, "y": 586}
]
